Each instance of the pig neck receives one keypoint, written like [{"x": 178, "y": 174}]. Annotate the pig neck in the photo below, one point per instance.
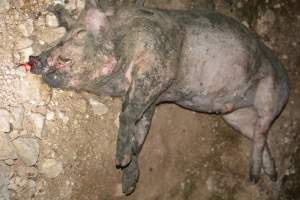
[
  {"x": 118, "y": 81},
  {"x": 114, "y": 83}
]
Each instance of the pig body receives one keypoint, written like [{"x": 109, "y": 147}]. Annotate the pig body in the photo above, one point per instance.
[{"x": 200, "y": 60}]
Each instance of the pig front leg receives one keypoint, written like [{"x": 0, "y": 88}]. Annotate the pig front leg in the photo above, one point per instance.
[
  {"x": 131, "y": 173},
  {"x": 138, "y": 100}
]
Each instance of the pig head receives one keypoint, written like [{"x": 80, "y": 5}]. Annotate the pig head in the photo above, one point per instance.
[{"x": 202, "y": 61}]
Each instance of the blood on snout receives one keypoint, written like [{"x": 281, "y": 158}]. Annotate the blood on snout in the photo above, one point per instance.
[{"x": 27, "y": 66}]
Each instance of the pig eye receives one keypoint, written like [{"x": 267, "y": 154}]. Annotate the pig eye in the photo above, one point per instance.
[{"x": 80, "y": 33}]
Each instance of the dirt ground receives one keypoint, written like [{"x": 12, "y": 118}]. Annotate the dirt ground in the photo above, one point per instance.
[{"x": 187, "y": 155}]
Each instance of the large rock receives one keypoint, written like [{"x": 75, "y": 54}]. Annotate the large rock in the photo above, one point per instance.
[
  {"x": 4, "y": 121},
  {"x": 37, "y": 122},
  {"x": 33, "y": 90},
  {"x": 4, "y": 182},
  {"x": 18, "y": 116},
  {"x": 51, "y": 168},
  {"x": 4, "y": 6},
  {"x": 7, "y": 149},
  {"x": 51, "y": 20},
  {"x": 28, "y": 150}
]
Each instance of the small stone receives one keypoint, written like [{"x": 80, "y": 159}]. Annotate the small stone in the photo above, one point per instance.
[
  {"x": 61, "y": 2},
  {"x": 81, "y": 104},
  {"x": 28, "y": 172},
  {"x": 28, "y": 150},
  {"x": 51, "y": 20},
  {"x": 33, "y": 90},
  {"x": 4, "y": 6},
  {"x": 265, "y": 22},
  {"x": 63, "y": 117},
  {"x": 51, "y": 35},
  {"x": 80, "y": 4},
  {"x": 277, "y": 6},
  {"x": 245, "y": 23},
  {"x": 38, "y": 124},
  {"x": 14, "y": 134},
  {"x": 50, "y": 168},
  {"x": 23, "y": 43},
  {"x": 98, "y": 107},
  {"x": 7, "y": 149},
  {"x": 5, "y": 121},
  {"x": 50, "y": 115},
  {"x": 26, "y": 28},
  {"x": 239, "y": 5},
  {"x": 285, "y": 57},
  {"x": 9, "y": 162},
  {"x": 18, "y": 117},
  {"x": 17, "y": 183},
  {"x": 4, "y": 182},
  {"x": 25, "y": 53}
]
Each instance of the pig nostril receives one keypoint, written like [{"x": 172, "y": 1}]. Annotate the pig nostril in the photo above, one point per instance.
[{"x": 33, "y": 61}]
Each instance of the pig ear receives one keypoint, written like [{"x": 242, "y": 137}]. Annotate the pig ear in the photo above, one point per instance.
[
  {"x": 64, "y": 17},
  {"x": 95, "y": 20}
]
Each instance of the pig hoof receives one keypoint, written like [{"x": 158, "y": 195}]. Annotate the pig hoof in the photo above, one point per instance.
[
  {"x": 254, "y": 175},
  {"x": 123, "y": 161},
  {"x": 130, "y": 177},
  {"x": 273, "y": 177},
  {"x": 254, "y": 178}
]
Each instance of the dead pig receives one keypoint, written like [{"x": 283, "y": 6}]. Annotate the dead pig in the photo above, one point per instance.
[{"x": 202, "y": 61}]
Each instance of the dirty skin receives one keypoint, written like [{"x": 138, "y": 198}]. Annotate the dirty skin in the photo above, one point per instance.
[{"x": 202, "y": 61}]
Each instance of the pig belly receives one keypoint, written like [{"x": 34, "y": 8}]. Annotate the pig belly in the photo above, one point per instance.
[{"x": 217, "y": 72}]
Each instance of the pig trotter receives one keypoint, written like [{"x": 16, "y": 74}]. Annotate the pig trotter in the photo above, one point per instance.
[
  {"x": 142, "y": 129},
  {"x": 130, "y": 176},
  {"x": 124, "y": 147},
  {"x": 269, "y": 164},
  {"x": 254, "y": 174}
]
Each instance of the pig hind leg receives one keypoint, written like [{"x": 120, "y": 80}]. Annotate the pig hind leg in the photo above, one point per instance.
[
  {"x": 244, "y": 121},
  {"x": 267, "y": 105}
]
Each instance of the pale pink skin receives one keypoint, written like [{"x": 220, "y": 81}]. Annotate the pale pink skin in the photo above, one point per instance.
[{"x": 202, "y": 61}]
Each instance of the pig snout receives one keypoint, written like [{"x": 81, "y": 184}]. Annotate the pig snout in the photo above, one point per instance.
[{"x": 39, "y": 64}]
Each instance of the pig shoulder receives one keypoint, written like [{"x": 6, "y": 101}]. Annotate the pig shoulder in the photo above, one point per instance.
[{"x": 149, "y": 45}]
